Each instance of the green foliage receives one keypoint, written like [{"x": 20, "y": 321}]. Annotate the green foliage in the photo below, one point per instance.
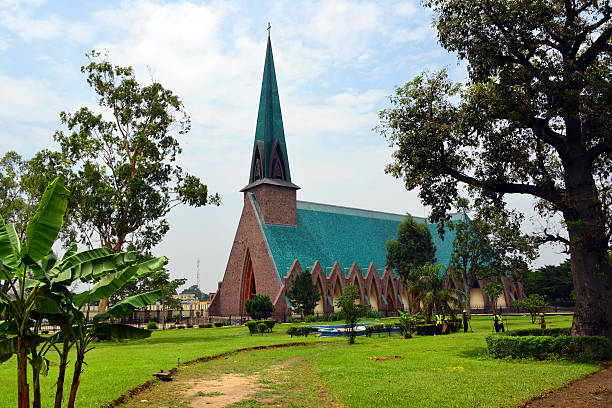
[
  {"x": 17, "y": 202},
  {"x": 125, "y": 161},
  {"x": 310, "y": 319},
  {"x": 202, "y": 297},
  {"x": 406, "y": 324},
  {"x": 350, "y": 309},
  {"x": 494, "y": 289},
  {"x": 534, "y": 304},
  {"x": 180, "y": 326},
  {"x": 219, "y": 324},
  {"x": 299, "y": 331},
  {"x": 189, "y": 325},
  {"x": 259, "y": 307},
  {"x": 412, "y": 248},
  {"x": 205, "y": 325},
  {"x": 303, "y": 294},
  {"x": 557, "y": 331},
  {"x": 581, "y": 348},
  {"x": 254, "y": 325},
  {"x": 553, "y": 282},
  {"x": 430, "y": 289},
  {"x": 151, "y": 325},
  {"x": 532, "y": 119},
  {"x": 262, "y": 328}
]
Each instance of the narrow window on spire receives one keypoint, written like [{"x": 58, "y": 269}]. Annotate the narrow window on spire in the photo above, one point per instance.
[{"x": 277, "y": 164}]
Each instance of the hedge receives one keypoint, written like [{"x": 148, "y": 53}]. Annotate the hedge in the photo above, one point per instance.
[
  {"x": 580, "y": 348},
  {"x": 252, "y": 325},
  {"x": 299, "y": 331},
  {"x": 539, "y": 332}
]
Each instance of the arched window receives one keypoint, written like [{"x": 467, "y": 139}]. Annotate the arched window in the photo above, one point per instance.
[
  {"x": 258, "y": 172},
  {"x": 277, "y": 163}
]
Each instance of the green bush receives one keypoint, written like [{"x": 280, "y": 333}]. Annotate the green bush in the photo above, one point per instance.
[
  {"x": 334, "y": 316},
  {"x": 205, "y": 325},
  {"x": 310, "y": 319},
  {"x": 262, "y": 328},
  {"x": 378, "y": 328},
  {"x": 299, "y": 331},
  {"x": 425, "y": 329},
  {"x": 580, "y": 348},
  {"x": 252, "y": 326},
  {"x": 371, "y": 314},
  {"x": 189, "y": 325},
  {"x": 180, "y": 327},
  {"x": 151, "y": 325},
  {"x": 369, "y": 329},
  {"x": 389, "y": 328},
  {"x": 220, "y": 324},
  {"x": 294, "y": 320},
  {"x": 171, "y": 327},
  {"x": 269, "y": 324},
  {"x": 539, "y": 332}
]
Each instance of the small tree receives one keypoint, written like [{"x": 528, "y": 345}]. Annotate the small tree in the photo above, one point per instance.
[
  {"x": 260, "y": 307},
  {"x": 430, "y": 288},
  {"x": 350, "y": 310},
  {"x": 534, "y": 304},
  {"x": 494, "y": 289},
  {"x": 303, "y": 294}
]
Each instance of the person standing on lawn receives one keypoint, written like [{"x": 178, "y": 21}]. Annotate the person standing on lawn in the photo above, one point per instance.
[
  {"x": 465, "y": 319},
  {"x": 542, "y": 322},
  {"x": 438, "y": 324},
  {"x": 496, "y": 322},
  {"x": 501, "y": 321}
]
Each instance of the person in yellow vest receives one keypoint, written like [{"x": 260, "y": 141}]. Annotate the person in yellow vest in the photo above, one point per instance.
[
  {"x": 496, "y": 322},
  {"x": 438, "y": 324},
  {"x": 501, "y": 321}
]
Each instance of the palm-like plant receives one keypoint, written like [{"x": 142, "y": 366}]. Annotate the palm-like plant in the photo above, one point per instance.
[
  {"x": 429, "y": 287},
  {"x": 38, "y": 289}
]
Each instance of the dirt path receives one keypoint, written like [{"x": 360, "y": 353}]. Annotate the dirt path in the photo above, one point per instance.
[{"x": 593, "y": 391}]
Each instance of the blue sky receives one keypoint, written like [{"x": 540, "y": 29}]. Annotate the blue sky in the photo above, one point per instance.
[{"x": 336, "y": 62}]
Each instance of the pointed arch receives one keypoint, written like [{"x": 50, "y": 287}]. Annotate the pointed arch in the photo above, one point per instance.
[
  {"x": 390, "y": 297},
  {"x": 477, "y": 299},
  {"x": 277, "y": 169},
  {"x": 248, "y": 282},
  {"x": 337, "y": 292},
  {"x": 257, "y": 172},
  {"x": 320, "y": 307},
  {"x": 373, "y": 295}
]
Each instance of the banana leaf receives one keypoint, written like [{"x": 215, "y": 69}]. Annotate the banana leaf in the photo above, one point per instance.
[
  {"x": 10, "y": 246},
  {"x": 121, "y": 331},
  {"x": 128, "y": 305},
  {"x": 111, "y": 283},
  {"x": 44, "y": 226},
  {"x": 90, "y": 264},
  {"x": 8, "y": 346}
]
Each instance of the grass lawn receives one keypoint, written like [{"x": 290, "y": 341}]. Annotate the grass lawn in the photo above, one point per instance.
[{"x": 449, "y": 370}]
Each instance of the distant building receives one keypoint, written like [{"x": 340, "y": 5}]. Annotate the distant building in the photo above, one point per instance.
[{"x": 278, "y": 235}]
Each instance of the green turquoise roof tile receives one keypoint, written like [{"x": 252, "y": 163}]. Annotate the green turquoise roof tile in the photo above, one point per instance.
[{"x": 329, "y": 233}]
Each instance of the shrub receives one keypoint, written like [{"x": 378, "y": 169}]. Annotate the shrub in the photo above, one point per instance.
[
  {"x": 180, "y": 327},
  {"x": 262, "y": 328},
  {"x": 171, "y": 327},
  {"x": 294, "y": 320},
  {"x": 539, "y": 332},
  {"x": 378, "y": 328},
  {"x": 299, "y": 331},
  {"x": 151, "y": 325},
  {"x": 269, "y": 324},
  {"x": 310, "y": 319},
  {"x": 260, "y": 307},
  {"x": 425, "y": 329},
  {"x": 371, "y": 314},
  {"x": 292, "y": 331},
  {"x": 189, "y": 325},
  {"x": 334, "y": 316},
  {"x": 389, "y": 328},
  {"x": 220, "y": 324},
  {"x": 368, "y": 330},
  {"x": 580, "y": 348},
  {"x": 252, "y": 326}
]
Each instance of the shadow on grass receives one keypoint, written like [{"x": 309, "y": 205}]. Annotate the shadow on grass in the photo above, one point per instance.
[{"x": 476, "y": 353}]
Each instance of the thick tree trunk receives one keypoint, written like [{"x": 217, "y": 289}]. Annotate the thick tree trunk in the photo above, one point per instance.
[
  {"x": 36, "y": 401},
  {"x": 23, "y": 392},
  {"x": 590, "y": 260},
  {"x": 59, "y": 389},
  {"x": 76, "y": 381}
]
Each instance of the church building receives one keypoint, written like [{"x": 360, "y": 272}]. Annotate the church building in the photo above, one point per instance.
[{"x": 279, "y": 236}]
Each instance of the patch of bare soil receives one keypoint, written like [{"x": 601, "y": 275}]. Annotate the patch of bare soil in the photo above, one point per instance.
[
  {"x": 220, "y": 392},
  {"x": 383, "y": 358},
  {"x": 593, "y": 391}
]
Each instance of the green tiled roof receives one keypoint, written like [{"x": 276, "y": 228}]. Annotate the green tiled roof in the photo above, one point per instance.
[
  {"x": 330, "y": 233},
  {"x": 269, "y": 119}
]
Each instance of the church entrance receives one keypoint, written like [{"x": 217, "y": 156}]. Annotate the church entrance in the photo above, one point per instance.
[
  {"x": 373, "y": 296},
  {"x": 389, "y": 297},
  {"x": 248, "y": 288},
  {"x": 337, "y": 294},
  {"x": 319, "y": 309}
]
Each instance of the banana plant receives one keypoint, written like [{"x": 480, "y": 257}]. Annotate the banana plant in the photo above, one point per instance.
[{"x": 39, "y": 289}]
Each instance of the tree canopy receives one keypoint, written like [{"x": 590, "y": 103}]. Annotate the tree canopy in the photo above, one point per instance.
[
  {"x": 412, "y": 248},
  {"x": 197, "y": 292},
  {"x": 553, "y": 282},
  {"x": 532, "y": 119},
  {"x": 121, "y": 164},
  {"x": 303, "y": 294}
]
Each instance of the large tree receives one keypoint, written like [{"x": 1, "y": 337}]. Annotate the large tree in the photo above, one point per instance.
[
  {"x": 121, "y": 162},
  {"x": 553, "y": 282},
  {"x": 412, "y": 248},
  {"x": 534, "y": 118},
  {"x": 487, "y": 246}
]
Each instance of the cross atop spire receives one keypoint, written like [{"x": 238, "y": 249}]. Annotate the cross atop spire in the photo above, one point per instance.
[{"x": 269, "y": 162}]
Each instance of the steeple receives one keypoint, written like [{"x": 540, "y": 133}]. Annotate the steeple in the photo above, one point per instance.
[
  {"x": 270, "y": 160},
  {"x": 270, "y": 178}
]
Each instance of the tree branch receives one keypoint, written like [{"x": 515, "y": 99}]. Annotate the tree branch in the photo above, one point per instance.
[
  {"x": 599, "y": 149},
  {"x": 598, "y": 46}
]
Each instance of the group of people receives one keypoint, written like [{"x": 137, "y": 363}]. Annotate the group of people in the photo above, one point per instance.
[{"x": 498, "y": 322}]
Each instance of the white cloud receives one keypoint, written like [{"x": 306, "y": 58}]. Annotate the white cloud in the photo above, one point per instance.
[
  {"x": 30, "y": 29},
  {"x": 28, "y": 99},
  {"x": 406, "y": 8}
]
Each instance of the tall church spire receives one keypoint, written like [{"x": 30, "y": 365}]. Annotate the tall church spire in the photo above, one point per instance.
[{"x": 269, "y": 159}]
